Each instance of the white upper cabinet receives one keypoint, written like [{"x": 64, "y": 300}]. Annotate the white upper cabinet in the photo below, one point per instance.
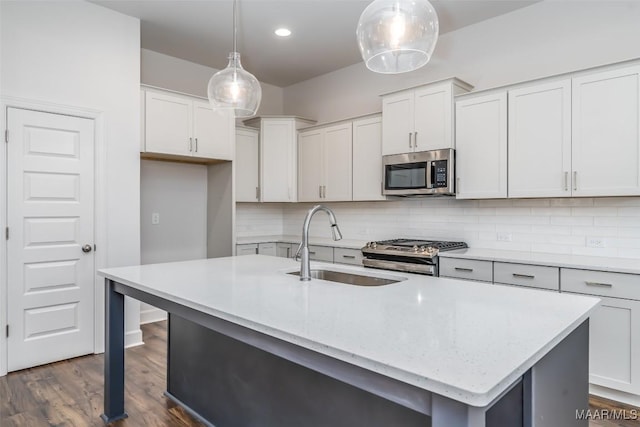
[
  {"x": 212, "y": 130},
  {"x": 540, "y": 140},
  {"x": 481, "y": 140},
  {"x": 186, "y": 128},
  {"x": 606, "y": 129},
  {"x": 278, "y": 156},
  {"x": 247, "y": 165},
  {"x": 325, "y": 164},
  {"x": 367, "y": 159},
  {"x": 420, "y": 119}
]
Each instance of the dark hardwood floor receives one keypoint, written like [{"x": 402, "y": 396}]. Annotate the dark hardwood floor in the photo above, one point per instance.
[{"x": 69, "y": 393}]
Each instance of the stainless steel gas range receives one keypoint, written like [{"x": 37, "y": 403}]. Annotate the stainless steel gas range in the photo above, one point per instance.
[{"x": 410, "y": 255}]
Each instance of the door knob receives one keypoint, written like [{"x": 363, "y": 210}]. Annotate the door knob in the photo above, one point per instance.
[{"x": 87, "y": 248}]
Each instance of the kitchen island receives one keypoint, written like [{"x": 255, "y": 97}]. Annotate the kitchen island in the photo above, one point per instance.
[{"x": 423, "y": 351}]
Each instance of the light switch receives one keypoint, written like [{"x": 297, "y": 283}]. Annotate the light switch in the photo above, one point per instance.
[{"x": 155, "y": 218}]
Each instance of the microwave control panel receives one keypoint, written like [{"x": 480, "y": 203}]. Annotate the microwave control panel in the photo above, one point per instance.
[{"x": 439, "y": 173}]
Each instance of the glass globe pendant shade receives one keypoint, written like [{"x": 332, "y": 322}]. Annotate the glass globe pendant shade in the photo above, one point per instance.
[
  {"x": 234, "y": 88},
  {"x": 397, "y": 36}
]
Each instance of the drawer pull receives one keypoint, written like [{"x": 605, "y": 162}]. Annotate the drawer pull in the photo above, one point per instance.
[
  {"x": 311, "y": 253},
  {"x": 466, "y": 270},
  {"x": 349, "y": 256},
  {"x": 602, "y": 285},
  {"x": 523, "y": 276}
]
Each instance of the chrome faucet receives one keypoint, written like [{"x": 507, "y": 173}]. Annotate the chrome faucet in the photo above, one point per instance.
[{"x": 303, "y": 249}]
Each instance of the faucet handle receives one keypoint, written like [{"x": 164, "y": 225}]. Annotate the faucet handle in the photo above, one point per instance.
[{"x": 297, "y": 255}]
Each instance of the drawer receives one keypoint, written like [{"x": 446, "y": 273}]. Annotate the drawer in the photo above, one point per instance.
[
  {"x": 248, "y": 249},
  {"x": 286, "y": 250},
  {"x": 600, "y": 283},
  {"x": 470, "y": 269},
  {"x": 267, "y": 249},
  {"x": 320, "y": 253},
  {"x": 534, "y": 276},
  {"x": 347, "y": 256}
]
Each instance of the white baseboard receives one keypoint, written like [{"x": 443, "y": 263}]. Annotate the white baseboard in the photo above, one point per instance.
[
  {"x": 133, "y": 338},
  {"x": 152, "y": 315},
  {"x": 618, "y": 396}
]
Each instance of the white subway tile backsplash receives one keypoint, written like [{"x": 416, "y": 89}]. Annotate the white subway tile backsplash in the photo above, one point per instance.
[{"x": 539, "y": 225}]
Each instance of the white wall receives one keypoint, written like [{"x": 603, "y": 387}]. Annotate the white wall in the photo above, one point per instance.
[
  {"x": 183, "y": 76},
  {"x": 81, "y": 55},
  {"x": 547, "y": 38}
]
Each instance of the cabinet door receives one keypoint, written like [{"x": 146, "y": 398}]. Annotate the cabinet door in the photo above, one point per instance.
[
  {"x": 540, "y": 140},
  {"x": 397, "y": 123},
  {"x": 246, "y": 166},
  {"x": 367, "y": 159},
  {"x": 606, "y": 128},
  {"x": 278, "y": 160},
  {"x": 337, "y": 158},
  {"x": 481, "y": 147},
  {"x": 267, "y": 249},
  {"x": 433, "y": 118},
  {"x": 614, "y": 345},
  {"x": 247, "y": 249},
  {"x": 284, "y": 250},
  {"x": 213, "y": 132},
  {"x": 168, "y": 124},
  {"x": 310, "y": 165}
]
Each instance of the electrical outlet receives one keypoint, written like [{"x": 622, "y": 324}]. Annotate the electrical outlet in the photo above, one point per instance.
[
  {"x": 504, "y": 237},
  {"x": 595, "y": 242},
  {"x": 155, "y": 218}
]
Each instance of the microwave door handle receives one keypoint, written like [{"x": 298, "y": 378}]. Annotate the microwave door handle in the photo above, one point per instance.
[{"x": 430, "y": 177}]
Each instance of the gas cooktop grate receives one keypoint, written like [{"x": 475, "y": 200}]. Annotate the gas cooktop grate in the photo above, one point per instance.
[{"x": 440, "y": 245}]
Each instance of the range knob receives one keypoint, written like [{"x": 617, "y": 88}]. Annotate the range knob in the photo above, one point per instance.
[
  {"x": 415, "y": 248},
  {"x": 372, "y": 245},
  {"x": 423, "y": 249}
]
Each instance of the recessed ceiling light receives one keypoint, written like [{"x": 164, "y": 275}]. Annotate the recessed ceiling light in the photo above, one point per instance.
[{"x": 283, "y": 32}]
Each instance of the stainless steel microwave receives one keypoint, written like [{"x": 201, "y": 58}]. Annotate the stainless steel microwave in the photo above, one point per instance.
[{"x": 420, "y": 173}]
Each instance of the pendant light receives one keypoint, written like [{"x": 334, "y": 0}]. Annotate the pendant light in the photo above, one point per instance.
[
  {"x": 234, "y": 88},
  {"x": 397, "y": 36}
]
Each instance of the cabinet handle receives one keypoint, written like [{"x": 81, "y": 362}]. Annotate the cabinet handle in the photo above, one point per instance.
[
  {"x": 349, "y": 256},
  {"x": 312, "y": 253},
  {"x": 466, "y": 270},
  {"x": 457, "y": 185},
  {"x": 566, "y": 181},
  {"x": 320, "y": 191},
  {"x": 602, "y": 285},
  {"x": 289, "y": 252},
  {"x": 257, "y": 193},
  {"x": 523, "y": 276},
  {"x": 190, "y": 144},
  {"x": 196, "y": 145},
  {"x": 415, "y": 140},
  {"x": 410, "y": 139},
  {"x": 575, "y": 180},
  {"x": 324, "y": 191}
]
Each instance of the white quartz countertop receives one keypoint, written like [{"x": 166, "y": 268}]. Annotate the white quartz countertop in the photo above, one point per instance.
[
  {"x": 620, "y": 265},
  {"x": 464, "y": 340},
  {"x": 321, "y": 241}
]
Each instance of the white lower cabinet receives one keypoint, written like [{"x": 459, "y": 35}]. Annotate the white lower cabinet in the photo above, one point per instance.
[
  {"x": 532, "y": 276},
  {"x": 267, "y": 249},
  {"x": 247, "y": 249},
  {"x": 321, "y": 253},
  {"x": 469, "y": 269},
  {"x": 347, "y": 256},
  {"x": 286, "y": 250},
  {"x": 614, "y": 337}
]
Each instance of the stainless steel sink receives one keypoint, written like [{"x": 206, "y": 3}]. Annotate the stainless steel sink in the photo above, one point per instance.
[{"x": 349, "y": 278}]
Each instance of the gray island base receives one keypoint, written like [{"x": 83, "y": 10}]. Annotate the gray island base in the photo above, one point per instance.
[{"x": 229, "y": 375}]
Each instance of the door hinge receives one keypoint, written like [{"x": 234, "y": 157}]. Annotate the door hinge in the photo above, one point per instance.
[
  {"x": 7, "y": 233},
  {"x": 6, "y": 135}
]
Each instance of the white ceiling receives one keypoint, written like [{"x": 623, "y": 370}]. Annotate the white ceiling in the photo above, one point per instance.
[{"x": 323, "y": 38}]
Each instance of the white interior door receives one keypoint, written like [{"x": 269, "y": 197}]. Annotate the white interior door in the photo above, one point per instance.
[{"x": 50, "y": 162}]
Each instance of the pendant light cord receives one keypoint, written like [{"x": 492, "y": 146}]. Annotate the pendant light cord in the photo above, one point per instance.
[{"x": 235, "y": 25}]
